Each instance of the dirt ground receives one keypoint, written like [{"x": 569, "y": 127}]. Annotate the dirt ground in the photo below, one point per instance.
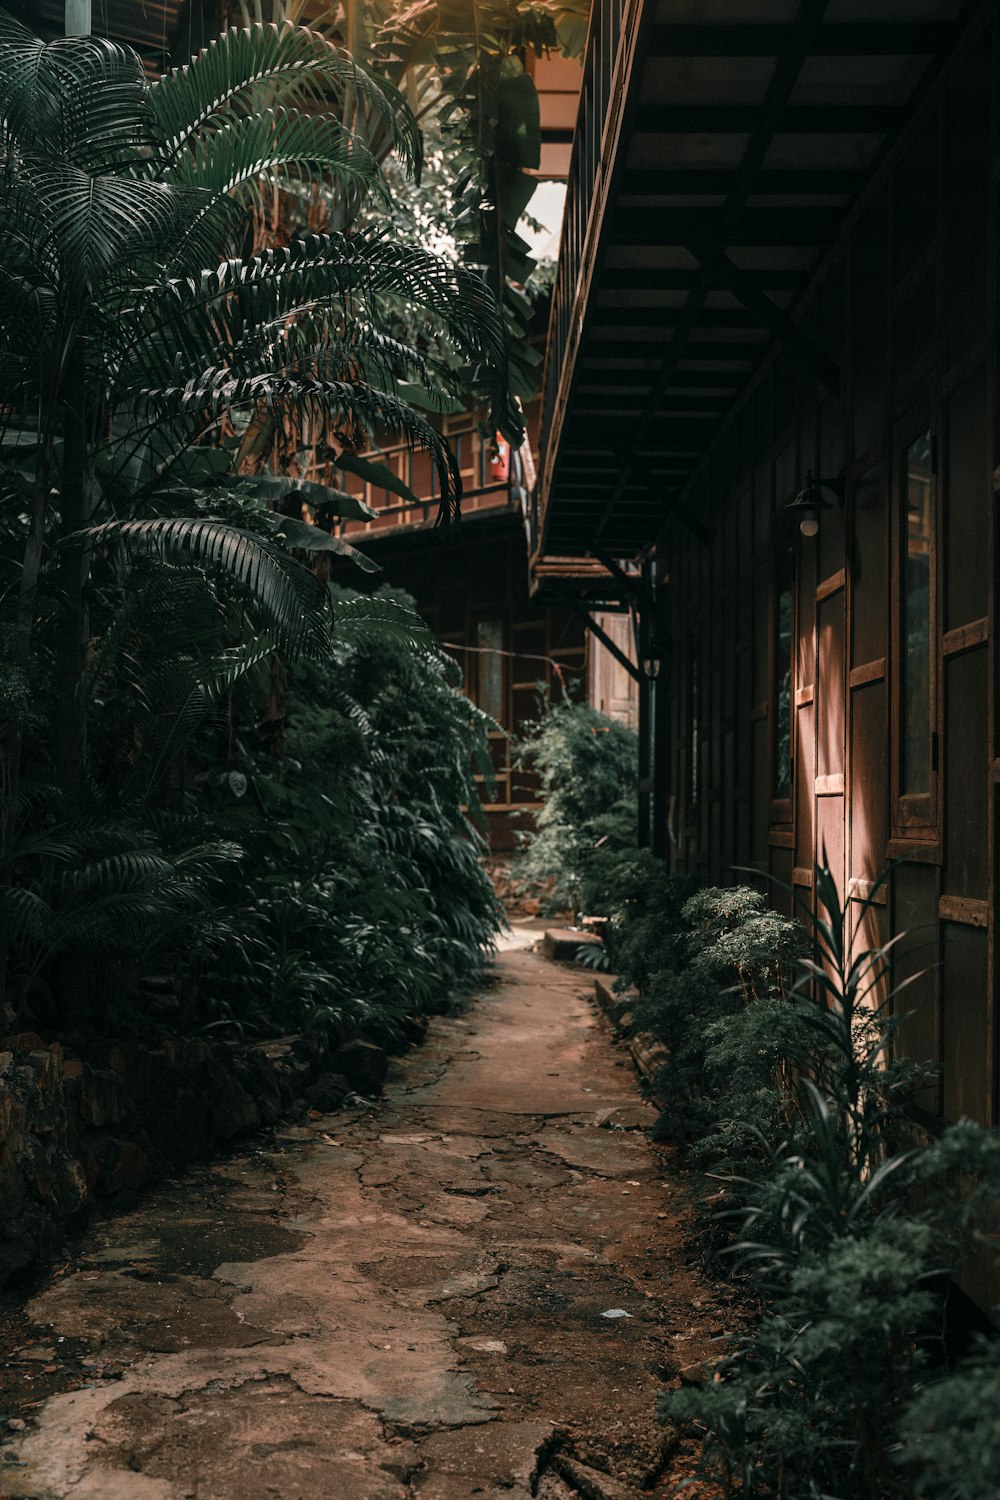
[{"x": 475, "y": 1288}]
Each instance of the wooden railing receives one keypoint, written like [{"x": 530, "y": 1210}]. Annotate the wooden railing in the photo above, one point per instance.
[
  {"x": 611, "y": 44},
  {"x": 486, "y": 485}
]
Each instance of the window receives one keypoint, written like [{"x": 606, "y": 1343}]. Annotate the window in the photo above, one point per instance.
[
  {"x": 694, "y": 744},
  {"x": 915, "y": 628},
  {"x": 781, "y": 781},
  {"x": 915, "y": 663},
  {"x": 489, "y": 640}
]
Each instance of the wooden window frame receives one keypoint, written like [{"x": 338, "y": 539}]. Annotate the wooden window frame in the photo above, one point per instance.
[
  {"x": 916, "y": 816},
  {"x": 504, "y": 718},
  {"x": 781, "y": 807}
]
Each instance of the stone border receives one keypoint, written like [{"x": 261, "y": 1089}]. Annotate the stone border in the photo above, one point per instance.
[{"x": 73, "y": 1129}]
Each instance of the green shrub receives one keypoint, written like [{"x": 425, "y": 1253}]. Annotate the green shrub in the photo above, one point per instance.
[
  {"x": 950, "y": 1433},
  {"x": 726, "y": 955},
  {"x": 845, "y": 1256},
  {"x": 312, "y": 866},
  {"x": 587, "y": 764},
  {"x": 372, "y": 900}
]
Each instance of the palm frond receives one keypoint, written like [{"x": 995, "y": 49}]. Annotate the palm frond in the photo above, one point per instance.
[
  {"x": 84, "y": 228},
  {"x": 373, "y": 620},
  {"x": 357, "y": 409},
  {"x": 274, "y": 488},
  {"x": 301, "y": 536},
  {"x": 285, "y": 146},
  {"x": 84, "y": 99},
  {"x": 245, "y": 70},
  {"x": 289, "y": 600}
]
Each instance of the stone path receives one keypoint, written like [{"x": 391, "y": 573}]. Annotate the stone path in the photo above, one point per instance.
[{"x": 401, "y": 1303}]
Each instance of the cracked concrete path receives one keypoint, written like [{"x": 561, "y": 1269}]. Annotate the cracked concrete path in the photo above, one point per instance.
[{"x": 405, "y": 1302}]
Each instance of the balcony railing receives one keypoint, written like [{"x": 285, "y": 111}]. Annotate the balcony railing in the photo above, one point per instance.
[
  {"x": 485, "y": 484},
  {"x": 611, "y": 43}
]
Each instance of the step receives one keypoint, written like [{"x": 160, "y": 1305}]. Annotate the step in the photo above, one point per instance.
[
  {"x": 616, "y": 1005},
  {"x": 562, "y": 943}
]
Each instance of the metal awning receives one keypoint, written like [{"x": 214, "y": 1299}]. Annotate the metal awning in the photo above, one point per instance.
[{"x": 716, "y": 160}]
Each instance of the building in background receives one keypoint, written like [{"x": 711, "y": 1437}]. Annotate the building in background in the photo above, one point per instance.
[{"x": 772, "y": 392}]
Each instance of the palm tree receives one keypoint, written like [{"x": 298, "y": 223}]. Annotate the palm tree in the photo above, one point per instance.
[{"x": 144, "y": 349}]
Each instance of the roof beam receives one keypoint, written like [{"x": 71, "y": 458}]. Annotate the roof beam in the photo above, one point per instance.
[
  {"x": 581, "y": 609},
  {"x": 628, "y": 279},
  {"x": 668, "y": 317},
  {"x": 630, "y": 582},
  {"x": 753, "y": 226},
  {"x": 667, "y": 181},
  {"x": 743, "y": 285},
  {"x": 833, "y": 39},
  {"x": 655, "y": 486},
  {"x": 743, "y": 119}
]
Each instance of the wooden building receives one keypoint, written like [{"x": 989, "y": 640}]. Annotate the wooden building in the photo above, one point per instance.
[
  {"x": 779, "y": 279},
  {"x": 472, "y": 587}
]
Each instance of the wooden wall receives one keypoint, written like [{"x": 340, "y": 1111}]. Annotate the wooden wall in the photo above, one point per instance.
[
  {"x": 473, "y": 592},
  {"x": 610, "y": 689},
  {"x": 797, "y": 683}
]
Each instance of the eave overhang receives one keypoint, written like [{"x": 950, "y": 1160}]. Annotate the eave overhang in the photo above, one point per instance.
[{"x": 715, "y": 167}]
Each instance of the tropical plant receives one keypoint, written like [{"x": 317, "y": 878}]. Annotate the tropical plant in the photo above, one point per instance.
[
  {"x": 470, "y": 67},
  {"x": 466, "y": 70},
  {"x": 587, "y": 766},
  {"x": 146, "y": 361},
  {"x": 365, "y": 873},
  {"x": 846, "y": 1257},
  {"x": 709, "y": 971}
]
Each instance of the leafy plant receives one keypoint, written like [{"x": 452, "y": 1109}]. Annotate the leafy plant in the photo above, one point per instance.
[
  {"x": 586, "y": 763},
  {"x": 706, "y": 969},
  {"x": 147, "y": 362},
  {"x": 468, "y": 65},
  {"x": 846, "y": 1259},
  {"x": 594, "y": 956}
]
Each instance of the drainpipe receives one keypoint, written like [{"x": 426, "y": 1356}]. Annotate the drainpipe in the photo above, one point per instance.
[
  {"x": 77, "y": 18},
  {"x": 661, "y": 713},
  {"x": 643, "y": 640}
]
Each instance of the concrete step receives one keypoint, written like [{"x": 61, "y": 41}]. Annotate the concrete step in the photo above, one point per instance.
[
  {"x": 617, "y": 1006},
  {"x": 562, "y": 943}
]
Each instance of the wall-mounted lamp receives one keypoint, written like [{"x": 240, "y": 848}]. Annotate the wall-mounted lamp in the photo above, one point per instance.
[
  {"x": 651, "y": 663},
  {"x": 810, "y": 503}
]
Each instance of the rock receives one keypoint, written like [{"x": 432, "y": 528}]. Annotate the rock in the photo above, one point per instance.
[
  {"x": 25, "y": 1041},
  {"x": 121, "y": 1113},
  {"x": 132, "y": 1170},
  {"x": 328, "y": 1092},
  {"x": 233, "y": 1110},
  {"x": 34, "y": 1163},
  {"x": 415, "y": 1029},
  {"x": 18, "y": 1254},
  {"x": 699, "y": 1373},
  {"x": 363, "y": 1064},
  {"x": 590, "y": 1483},
  {"x": 649, "y": 1054},
  {"x": 70, "y": 1182}
]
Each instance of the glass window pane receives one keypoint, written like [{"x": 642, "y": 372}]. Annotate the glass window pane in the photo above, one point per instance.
[
  {"x": 490, "y": 642},
  {"x": 916, "y": 665},
  {"x": 694, "y": 759},
  {"x": 783, "y": 680}
]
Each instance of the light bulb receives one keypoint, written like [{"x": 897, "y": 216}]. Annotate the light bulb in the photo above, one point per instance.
[{"x": 809, "y": 525}]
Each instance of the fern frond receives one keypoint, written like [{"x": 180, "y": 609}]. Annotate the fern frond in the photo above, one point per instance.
[
  {"x": 245, "y": 70},
  {"x": 290, "y": 601},
  {"x": 284, "y": 146}
]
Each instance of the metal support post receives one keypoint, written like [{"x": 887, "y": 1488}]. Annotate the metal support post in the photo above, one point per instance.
[{"x": 77, "y": 18}]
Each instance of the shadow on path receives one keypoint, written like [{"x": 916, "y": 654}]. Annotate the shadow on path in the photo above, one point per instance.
[{"x": 407, "y": 1302}]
